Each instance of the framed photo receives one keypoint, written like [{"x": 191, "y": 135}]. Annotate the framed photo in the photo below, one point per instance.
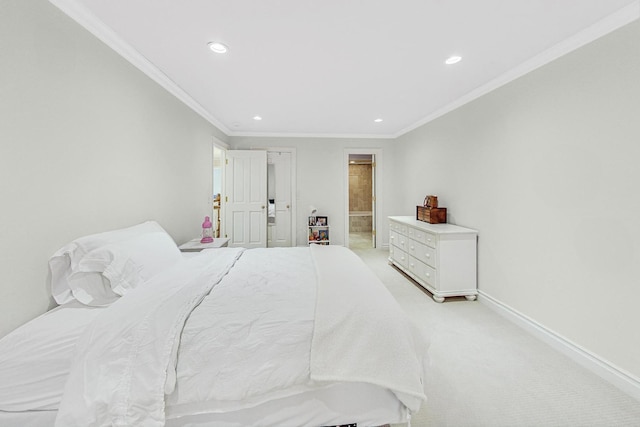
[
  {"x": 321, "y": 220},
  {"x": 323, "y": 235},
  {"x": 312, "y": 220}
]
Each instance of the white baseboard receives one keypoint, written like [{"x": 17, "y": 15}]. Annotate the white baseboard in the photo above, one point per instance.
[{"x": 616, "y": 376}]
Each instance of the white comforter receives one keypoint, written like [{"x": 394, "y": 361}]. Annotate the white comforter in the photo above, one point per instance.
[{"x": 256, "y": 331}]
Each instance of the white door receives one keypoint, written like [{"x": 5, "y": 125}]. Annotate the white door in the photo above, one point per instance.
[
  {"x": 246, "y": 198},
  {"x": 279, "y": 224}
]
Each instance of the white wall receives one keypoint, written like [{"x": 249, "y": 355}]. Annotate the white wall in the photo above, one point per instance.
[
  {"x": 547, "y": 169},
  {"x": 87, "y": 143},
  {"x": 321, "y": 179}
]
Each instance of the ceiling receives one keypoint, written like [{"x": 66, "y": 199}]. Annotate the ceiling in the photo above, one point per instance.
[{"x": 331, "y": 67}]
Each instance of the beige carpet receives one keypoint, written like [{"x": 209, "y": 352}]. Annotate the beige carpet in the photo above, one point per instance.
[{"x": 486, "y": 371}]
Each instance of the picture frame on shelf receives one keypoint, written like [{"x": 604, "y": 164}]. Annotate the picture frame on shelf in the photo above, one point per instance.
[{"x": 318, "y": 230}]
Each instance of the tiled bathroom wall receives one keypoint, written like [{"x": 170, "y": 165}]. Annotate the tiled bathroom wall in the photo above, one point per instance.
[{"x": 360, "y": 198}]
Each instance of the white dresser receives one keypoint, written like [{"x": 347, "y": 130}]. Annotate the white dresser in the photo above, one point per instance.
[{"x": 440, "y": 257}]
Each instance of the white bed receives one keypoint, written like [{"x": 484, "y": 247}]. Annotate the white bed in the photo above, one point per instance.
[{"x": 225, "y": 337}]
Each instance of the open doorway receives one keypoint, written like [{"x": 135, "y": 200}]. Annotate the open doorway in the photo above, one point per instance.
[
  {"x": 362, "y": 201},
  {"x": 218, "y": 185}
]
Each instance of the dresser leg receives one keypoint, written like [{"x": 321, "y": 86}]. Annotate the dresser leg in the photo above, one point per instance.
[
  {"x": 471, "y": 297},
  {"x": 438, "y": 299}
]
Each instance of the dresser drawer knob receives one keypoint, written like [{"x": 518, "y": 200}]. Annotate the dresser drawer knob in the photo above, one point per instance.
[
  {"x": 427, "y": 255},
  {"x": 427, "y": 274}
]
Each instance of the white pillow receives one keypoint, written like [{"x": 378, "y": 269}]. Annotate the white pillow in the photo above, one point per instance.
[
  {"x": 91, "y": 288},
  {"x": 110, "y": 271},
  {"x": 67, "y": 258}
]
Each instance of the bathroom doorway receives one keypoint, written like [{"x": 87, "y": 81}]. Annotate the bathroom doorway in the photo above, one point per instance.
[{"x": 362, "y": 200}]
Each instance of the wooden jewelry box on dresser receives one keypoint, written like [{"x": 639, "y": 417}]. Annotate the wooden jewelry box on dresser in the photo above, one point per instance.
[{"x": 440, "y": 257}]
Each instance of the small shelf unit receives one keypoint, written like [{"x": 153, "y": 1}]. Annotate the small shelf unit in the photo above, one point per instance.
[{"x": 318, "y": 230}]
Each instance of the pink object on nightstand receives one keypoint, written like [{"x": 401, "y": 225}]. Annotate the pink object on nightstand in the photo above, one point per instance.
[{"x": 207, "y": 231}]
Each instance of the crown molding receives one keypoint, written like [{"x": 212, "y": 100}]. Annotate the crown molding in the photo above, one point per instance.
[
  {"x": 310, "y": 135},
  {"x": 601, "y": 28},
  {"x": 104, "y": 33}
]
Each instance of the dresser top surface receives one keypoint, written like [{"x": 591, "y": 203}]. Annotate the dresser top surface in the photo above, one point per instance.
[{"x": 433, "y": 228}]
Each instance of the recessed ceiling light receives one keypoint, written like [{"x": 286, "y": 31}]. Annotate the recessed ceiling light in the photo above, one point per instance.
[
  {"x": 377, "y": 120},
  {"x": 218, "y": 47},
  {"x": 453, "y": 60},
  {"x": 257, "y": 118}
]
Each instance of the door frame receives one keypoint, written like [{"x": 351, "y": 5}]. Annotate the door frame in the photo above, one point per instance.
[{"x": 377, "y": 152}]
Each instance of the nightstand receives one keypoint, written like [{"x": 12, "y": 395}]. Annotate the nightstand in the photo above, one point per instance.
[{"x": 195, "y": 245}]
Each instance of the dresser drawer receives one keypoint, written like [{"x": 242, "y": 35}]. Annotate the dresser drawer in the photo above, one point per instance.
[
  {"x": 398, "y": 240},
  {"x": 423, "y": 237},
  {"x": 399, "y": 256},
  {"x": 422, "y": 271},
  {"x": 422, "y": 252},
  {"x": 398, "y": 228}
]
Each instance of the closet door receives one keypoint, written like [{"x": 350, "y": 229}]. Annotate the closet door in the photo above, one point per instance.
[
  {"x": 280, "y": 189},
  {"x": 246, "y": 198}
]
